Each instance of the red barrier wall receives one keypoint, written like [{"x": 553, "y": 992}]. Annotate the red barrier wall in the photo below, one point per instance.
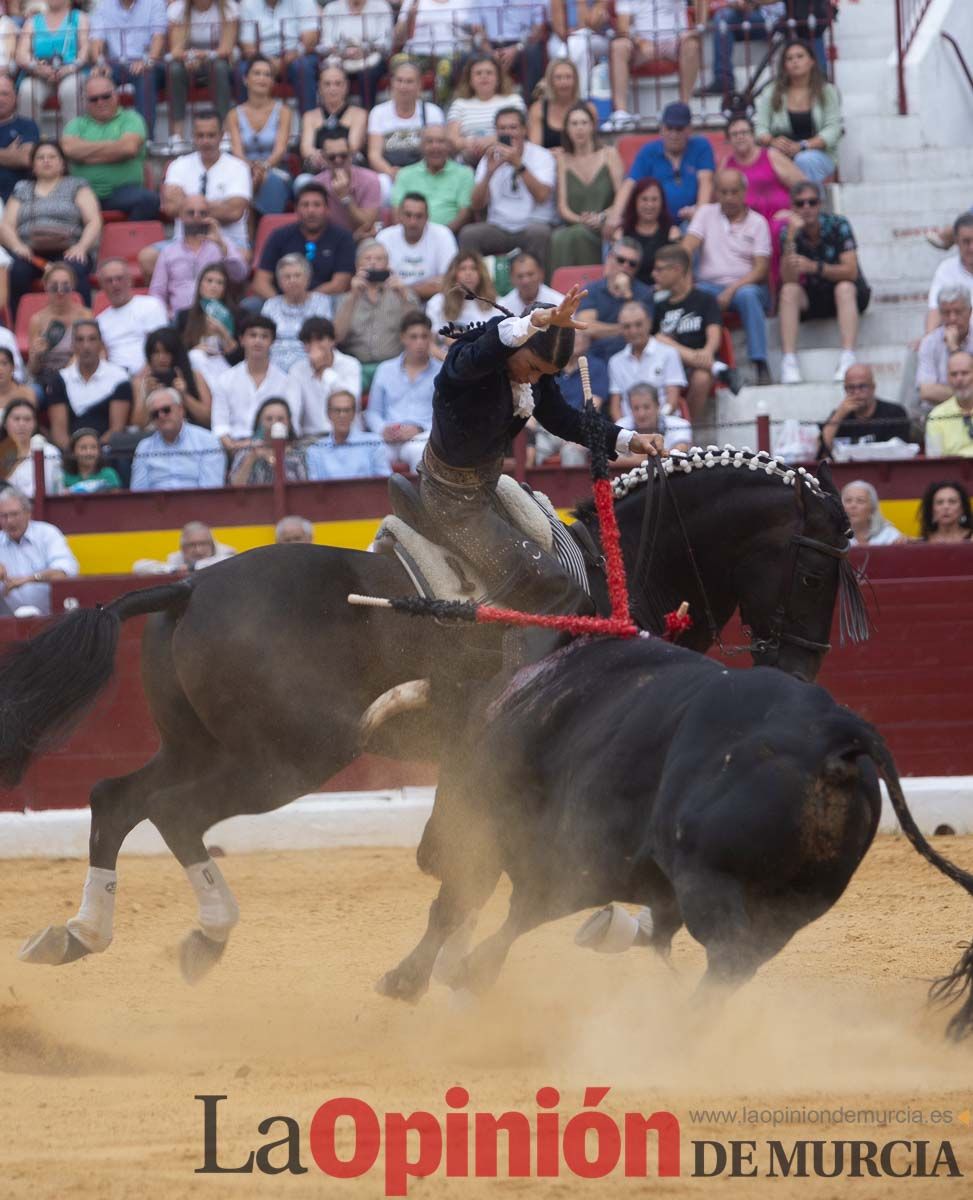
[{"x": 913, "y": 679}]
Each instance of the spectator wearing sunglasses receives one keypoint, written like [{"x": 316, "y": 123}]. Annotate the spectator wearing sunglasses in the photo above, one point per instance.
[
  {"x": 606, "y": 296},
  {"x": 106, "y": 147},
  {"x": 177, "y": 455},
  {"x": 949, "y": 429},
  {"x": 329, "y": 249},
  {"x": 353, "y": 192},
  {"x": 820, "y": 278},
  {"x": 184, "y": 259}
]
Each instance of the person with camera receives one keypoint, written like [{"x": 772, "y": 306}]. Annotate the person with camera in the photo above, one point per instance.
[
  {"x": 184, "y": 259},
  {"x": 515, "y": 185},
  {"x": 368, "y": 322}
]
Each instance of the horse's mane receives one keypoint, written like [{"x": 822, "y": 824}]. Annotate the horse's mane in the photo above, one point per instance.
[{"x": 695, "y": 459}]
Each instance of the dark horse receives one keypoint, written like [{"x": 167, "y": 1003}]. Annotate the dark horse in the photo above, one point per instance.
[
  {"x": 737, "y": 802},
  {"x": 258, "y": 672}
]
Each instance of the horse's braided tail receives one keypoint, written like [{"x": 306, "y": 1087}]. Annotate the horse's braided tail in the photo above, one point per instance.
[
  {"x": 50, "y": 681},
  {"x": 958, "y": 984}
]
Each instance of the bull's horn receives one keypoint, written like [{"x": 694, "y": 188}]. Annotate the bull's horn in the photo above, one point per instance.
[{"x": 404, "y": 697}]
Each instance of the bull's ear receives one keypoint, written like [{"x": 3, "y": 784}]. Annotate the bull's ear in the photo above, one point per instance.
[{"x": 826, "y": 480}]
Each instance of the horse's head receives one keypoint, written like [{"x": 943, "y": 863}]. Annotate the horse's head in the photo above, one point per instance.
[{"x": 797, "y": 572}]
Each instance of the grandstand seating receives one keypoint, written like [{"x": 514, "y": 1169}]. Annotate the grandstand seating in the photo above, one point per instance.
[{"x": 126, "y": 240}]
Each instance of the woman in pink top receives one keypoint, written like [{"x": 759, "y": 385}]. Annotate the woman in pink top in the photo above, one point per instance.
[{"x": 769, "y": 175}]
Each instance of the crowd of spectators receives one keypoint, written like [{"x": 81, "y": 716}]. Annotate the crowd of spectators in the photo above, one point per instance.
[{"x": 418, "y": 156}]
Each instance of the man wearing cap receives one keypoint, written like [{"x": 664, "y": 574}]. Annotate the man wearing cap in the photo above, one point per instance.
[
  {"x": 494, "y": 378},
  {"x": 682, "y": 163}
]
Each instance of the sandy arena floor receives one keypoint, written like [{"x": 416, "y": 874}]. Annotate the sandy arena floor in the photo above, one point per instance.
[{"x": 100, "y": 1061}]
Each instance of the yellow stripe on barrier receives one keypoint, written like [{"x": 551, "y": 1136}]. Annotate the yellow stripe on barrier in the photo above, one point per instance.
[{"x": 114, "y": 553}]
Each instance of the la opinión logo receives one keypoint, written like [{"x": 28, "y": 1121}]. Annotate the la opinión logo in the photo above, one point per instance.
[{"x": 590, "y": 1144}]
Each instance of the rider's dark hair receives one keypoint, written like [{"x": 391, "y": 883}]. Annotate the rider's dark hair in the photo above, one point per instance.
[{"x": 554, "y": 344}]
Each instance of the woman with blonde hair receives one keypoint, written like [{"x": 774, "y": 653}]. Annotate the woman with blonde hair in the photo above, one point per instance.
[
  {"x": 466, "y": 273},
  {"x": 560, "y": 93},
  {"x": 484, "y": 89}
]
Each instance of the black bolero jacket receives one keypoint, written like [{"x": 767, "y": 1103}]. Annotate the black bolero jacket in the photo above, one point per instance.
[{"x": 473, "y": 404}]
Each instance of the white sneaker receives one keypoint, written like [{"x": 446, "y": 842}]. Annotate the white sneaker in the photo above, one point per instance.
[
  {"x": 790, "y": 372},
  {"x": 847, "y": 360},
  {"x": 620, "y": 119}
]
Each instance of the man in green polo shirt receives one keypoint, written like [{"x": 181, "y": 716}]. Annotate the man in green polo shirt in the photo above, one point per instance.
[
  {"x": 107, "y": 148},
  {"x": 446, "y": 185},
  {"x": 949, "y": 427}
]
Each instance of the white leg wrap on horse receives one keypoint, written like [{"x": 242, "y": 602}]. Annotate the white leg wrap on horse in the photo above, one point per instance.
[
  {"x": 93, "y": 924},
  {"x": 218, "y": 911}
]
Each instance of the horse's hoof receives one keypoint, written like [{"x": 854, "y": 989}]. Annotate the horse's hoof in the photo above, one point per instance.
[
  {"x": 53, "y": 947},
  {"x": 613, "y": 929},
  {"x": 198, "y": 954},
  {"x": 401, "y": 985}
]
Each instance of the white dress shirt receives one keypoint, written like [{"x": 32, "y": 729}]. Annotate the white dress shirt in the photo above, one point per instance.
[
  {"x": 307, "y": 392},
  {"x": 43, "y": 547},
  {"x": 237, "y": 398}
]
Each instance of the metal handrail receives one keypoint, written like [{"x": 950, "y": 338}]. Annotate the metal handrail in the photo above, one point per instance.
[
  {"x": 959, "y": 54},
  {"x": 908, "y": 18}
]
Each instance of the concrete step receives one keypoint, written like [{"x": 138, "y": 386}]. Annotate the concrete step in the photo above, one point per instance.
[
  {"x": 881, "y": 324},
  {"x": 864, "y": 19},
  {"x": 885, "y": 227},
  {"x": 853, "y": 45},
  {"x": 864, "y": 75},
  {"x": 818, "y": 364},
  {"x": 736, "y": 415},
  {"x": 907, "y": 165},
  {"x": 911, "y": 202},
  {"x": 902, "y": 257}
]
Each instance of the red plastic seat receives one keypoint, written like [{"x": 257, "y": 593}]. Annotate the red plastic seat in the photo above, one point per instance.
[
  {"x": 126, "y": 240},
  {"x": 31, "y": 303},
  {"x": 564, "y": 278},
  {"x": 268, "y": 224}
]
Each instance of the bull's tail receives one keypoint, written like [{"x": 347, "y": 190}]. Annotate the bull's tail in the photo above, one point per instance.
[
  {"x": 49, "y": 682},
  {"x": 957, "y": 986}
]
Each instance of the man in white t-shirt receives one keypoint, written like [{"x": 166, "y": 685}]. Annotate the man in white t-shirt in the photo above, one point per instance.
[
  {"x": 528, "y": 286},
  {"x": 128, "y": 320},
  {"x": 515, "y": 184},
  {"x": 419, "y": 251},
  {"x": 647, "y": 31},
  {"x": 223, "y": 179},
  {"x": 953, "y": 272},
  {"x": 644, "y": 360}
]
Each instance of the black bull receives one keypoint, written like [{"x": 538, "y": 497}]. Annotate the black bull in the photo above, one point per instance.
[
  {"x": 738, "y": 803},
  {"x": 258, "y": 672}
]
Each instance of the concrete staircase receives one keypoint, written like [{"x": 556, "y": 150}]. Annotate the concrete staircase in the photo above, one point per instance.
[{"x": 892, "y": 189}]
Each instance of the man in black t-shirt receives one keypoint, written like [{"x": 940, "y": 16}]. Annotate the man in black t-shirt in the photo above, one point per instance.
[
  {"x": 861, "y": 417},
  {"x": 329, "y": 249},
  {"x": 689, "y": 320}
]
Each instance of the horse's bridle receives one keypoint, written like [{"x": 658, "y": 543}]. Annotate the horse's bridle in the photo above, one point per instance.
[
  {"x": 779, "y": 633},
  {"x": 782, "y": 615}
]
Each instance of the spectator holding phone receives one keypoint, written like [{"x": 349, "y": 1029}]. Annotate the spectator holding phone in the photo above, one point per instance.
[{"x": 368, "y": 322}]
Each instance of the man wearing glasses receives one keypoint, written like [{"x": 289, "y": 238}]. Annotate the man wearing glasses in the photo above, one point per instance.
[
  {"x": 605, "y": 298},
  {"x": 106, "y": 147},
  {"x": 354, "y": 193},
  {"x": 177, "y": 455},
  {"x": 184, "y": 259},
  {"x": 820, "y": 278},
  {"x": 861, "y": 416}
]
